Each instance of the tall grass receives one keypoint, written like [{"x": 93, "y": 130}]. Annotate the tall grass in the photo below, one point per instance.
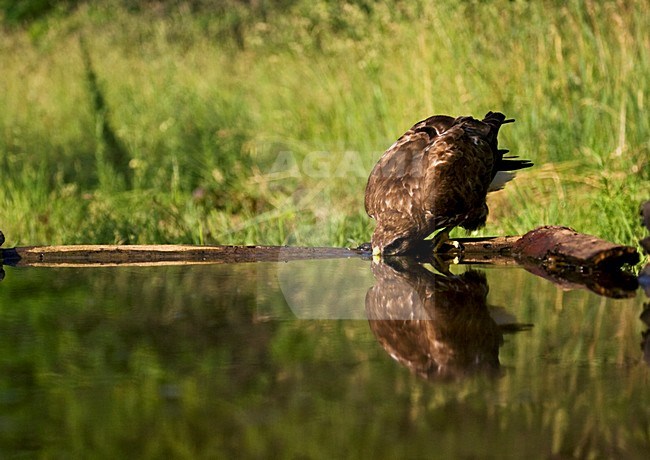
[{"x": 245, "y": 128}]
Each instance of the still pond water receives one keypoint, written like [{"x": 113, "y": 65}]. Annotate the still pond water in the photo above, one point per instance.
[{"x": 338, "y": 358}]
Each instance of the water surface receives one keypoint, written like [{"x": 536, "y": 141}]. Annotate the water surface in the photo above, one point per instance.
[{"x": 334, "y": 358}]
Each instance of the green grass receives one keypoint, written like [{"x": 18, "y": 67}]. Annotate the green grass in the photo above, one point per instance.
[{"x": 243, "y": 127}]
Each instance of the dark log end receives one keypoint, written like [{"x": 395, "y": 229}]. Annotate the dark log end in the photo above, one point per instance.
[{"x": 564, "y": 246}]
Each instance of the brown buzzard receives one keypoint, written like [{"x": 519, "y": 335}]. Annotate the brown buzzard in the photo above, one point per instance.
[{"x": 436, "y": 177}]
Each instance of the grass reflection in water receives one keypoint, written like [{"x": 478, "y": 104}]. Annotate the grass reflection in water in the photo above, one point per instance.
[{"x": 224, "y": 360}]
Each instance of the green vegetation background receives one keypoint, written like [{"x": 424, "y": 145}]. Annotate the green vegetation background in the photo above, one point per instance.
[
  {"x": 258, "y": 122},
  {"x": 210, "y": 361}
]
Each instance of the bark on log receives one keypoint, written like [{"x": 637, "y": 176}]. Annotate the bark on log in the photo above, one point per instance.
[
  {"x": 549, "y": 246},
  {"x": 573, "y": 260},
  {"x": 557, "y": 246},
  {"x": 559, "y": 254},
  {"x": 114, "y": 255}
]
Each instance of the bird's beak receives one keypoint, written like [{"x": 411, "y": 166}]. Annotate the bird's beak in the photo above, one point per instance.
[{"x": 376, "y": 254}]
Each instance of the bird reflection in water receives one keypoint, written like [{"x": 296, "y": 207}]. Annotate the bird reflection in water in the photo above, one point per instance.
[{"x": 437, "y": 325}]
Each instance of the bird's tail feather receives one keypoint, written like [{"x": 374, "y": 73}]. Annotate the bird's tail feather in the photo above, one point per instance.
[
  {"x": 504, "y": 164},
  {"x": 513, "y": 164},
  {"x": 500, "y": 180},
  {"x": 504, "y": 173}
]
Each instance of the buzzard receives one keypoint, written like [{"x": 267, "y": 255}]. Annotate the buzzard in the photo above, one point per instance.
[{"x": 436, "y": 177}]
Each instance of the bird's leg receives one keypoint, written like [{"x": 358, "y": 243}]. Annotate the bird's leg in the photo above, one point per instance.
[{"x": 441, "y": 238}]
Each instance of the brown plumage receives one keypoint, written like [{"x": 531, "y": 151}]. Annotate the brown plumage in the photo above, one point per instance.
[
  {"x": 436, "y": 176},
  {"x": 438, "y": 326}
]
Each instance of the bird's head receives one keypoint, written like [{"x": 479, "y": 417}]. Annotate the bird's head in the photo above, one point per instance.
[{"x": 388, "y": 242}]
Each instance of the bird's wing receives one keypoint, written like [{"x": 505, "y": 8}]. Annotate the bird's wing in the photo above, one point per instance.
[
  {"x": 434, "y": 126},
  {"x": 458, "y": 171},
  {"x": 395, "y": 179},
  {"x": 397, "y": 174}
]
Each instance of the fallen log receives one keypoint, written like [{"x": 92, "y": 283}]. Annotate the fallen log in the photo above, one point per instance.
[
  {"x": 571, "y": 259},
  {"x": 117, "y": 255},
  {"x": 549, "y": 246},
  {"x": 559, "y": 254},
  {"x": 555, "y": 246}
]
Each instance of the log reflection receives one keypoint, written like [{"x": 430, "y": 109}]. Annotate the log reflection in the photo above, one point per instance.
[{"x": 438, "y": 326}]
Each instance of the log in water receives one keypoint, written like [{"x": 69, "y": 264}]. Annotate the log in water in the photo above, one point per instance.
[
  {"x": 547, "y": 245},
  {"x": 161, "y": 254},
  {"x": 560, "y": 254}
]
